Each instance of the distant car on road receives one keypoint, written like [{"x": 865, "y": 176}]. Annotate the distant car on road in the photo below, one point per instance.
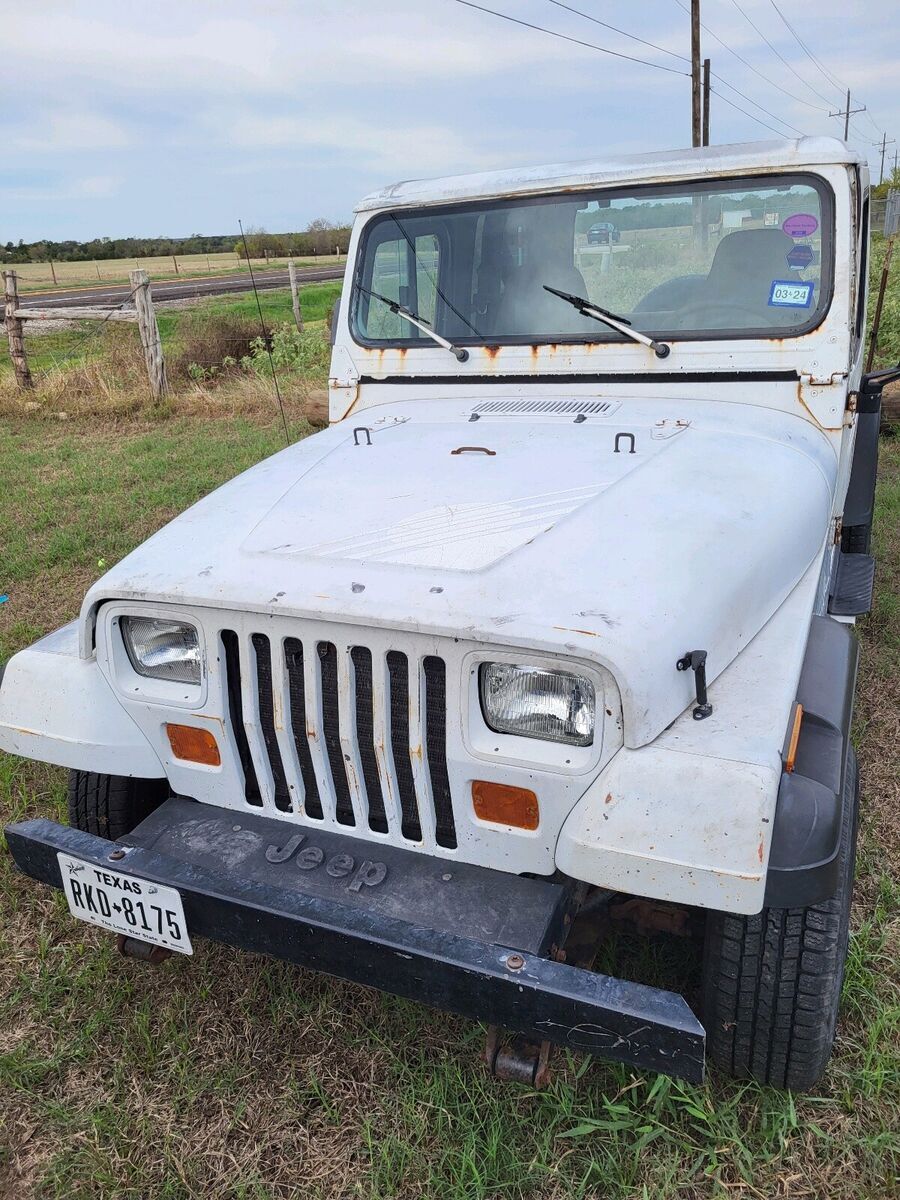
[{"x": 603, "y": 233}]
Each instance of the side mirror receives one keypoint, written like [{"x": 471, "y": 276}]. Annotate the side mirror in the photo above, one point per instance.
[{"x": 871, "y": 386}]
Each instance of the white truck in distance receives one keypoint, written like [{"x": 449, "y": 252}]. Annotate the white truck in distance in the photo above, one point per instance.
[{"x": 550, "y": 631}]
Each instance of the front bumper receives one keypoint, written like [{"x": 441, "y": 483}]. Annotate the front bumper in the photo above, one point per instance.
[{"x": 388, "y": 918}]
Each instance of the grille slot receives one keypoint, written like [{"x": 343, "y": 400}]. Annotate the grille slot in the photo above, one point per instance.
[
  {"x": 267, "y": 720},
  {"x": 236, "y": 712},
  {"x": 436, "y": 749},
  {"x": 331, "y": 729},
  {"x": 398, "y": 672},
  {"x": 293, "y": 661},
  {"x": 361, "y": 658},
  {"x": 559, "y": 408}
]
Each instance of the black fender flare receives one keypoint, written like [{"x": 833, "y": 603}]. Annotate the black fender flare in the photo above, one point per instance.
[{"x": 803, "y": 858}]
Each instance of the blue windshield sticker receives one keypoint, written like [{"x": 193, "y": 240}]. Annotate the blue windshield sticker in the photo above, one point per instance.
[{"x": 790, "y": 293}]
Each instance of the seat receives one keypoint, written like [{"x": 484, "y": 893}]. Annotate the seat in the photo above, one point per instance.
[{"x": 746, "y": 264}]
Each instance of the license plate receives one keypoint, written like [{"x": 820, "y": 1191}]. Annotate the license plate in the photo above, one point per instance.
[{"x": 136, "y": 907}]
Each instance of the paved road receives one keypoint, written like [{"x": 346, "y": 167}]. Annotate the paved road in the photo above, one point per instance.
[{"x": 176, "y": 289}]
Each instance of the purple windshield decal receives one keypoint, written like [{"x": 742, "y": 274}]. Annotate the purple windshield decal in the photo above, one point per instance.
[{"x": 800, "y": 225}]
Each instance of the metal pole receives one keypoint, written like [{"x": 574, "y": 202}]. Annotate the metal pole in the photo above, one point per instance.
[
  {"x": 706, "y": 102},
  {"x": 696, "y": 117},
  {"x": 847, "y": 117}
]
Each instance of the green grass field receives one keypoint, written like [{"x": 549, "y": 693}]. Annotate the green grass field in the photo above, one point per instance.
[{"x": 228, "y": 1076}]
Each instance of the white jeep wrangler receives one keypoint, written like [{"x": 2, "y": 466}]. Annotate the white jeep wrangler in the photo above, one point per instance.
[{"x": 553, "y": 627}]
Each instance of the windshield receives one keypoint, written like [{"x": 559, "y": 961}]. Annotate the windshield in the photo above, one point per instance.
[{"x": 731, "y": 258}]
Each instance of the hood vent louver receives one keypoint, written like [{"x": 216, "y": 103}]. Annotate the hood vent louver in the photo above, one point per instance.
[{"x": 553, "y": 408}]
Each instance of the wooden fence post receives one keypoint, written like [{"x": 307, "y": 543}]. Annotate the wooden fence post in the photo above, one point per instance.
[
  {"x": 15, "y": 331},
  {"x": 150, "y": 341},
  {"x": 295, "y": 294},
  {"x": 53, "y": 273}
]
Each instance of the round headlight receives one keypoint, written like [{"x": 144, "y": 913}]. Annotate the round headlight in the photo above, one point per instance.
[
  {"x": 556, "y": 706},
  {"x": 162, "y": 649}
]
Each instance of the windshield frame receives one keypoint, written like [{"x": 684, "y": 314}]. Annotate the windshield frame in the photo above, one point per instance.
[{"x": 781, "y": 333}]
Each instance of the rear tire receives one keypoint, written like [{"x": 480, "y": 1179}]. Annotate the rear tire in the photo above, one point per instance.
[
  {"x": 112, "y": 805},
  {"x": 772, "y": 981}
]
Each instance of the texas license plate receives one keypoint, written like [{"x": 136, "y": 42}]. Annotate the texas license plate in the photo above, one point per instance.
[{"x": 135, "y": 907}]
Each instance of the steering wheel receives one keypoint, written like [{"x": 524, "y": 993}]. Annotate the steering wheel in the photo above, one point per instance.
[{"x": 691, "y": 316}]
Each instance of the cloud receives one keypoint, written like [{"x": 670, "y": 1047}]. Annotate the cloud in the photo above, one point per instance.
[
  {"x": 290, "y": 109},
  {"x": 69, "y": 133}
]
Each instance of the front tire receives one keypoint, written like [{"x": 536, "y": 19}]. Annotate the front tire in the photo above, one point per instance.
[
  {"x": 112, "y": 805},
  {"x": 772, "y": 981}
]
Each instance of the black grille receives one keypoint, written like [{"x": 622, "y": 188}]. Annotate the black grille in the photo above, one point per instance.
[
  {"x": 293, "y": 660},
  {"x": 332, "y": 733},
  {"x": 236, "y": 712},
  {"x": 267, "y": 720},
  {"x": 436, "y": 747},
  {"x": 398, "y": 672},
  {"x": 380, "y": 779},
  {"x": 365, "y": 734}
]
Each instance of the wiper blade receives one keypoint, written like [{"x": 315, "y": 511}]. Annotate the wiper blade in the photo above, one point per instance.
[
  {"x": 401, "y": 310},
  {"x": 614, "y": 321}
]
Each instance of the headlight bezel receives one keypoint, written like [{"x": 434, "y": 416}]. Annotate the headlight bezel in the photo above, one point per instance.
[{"x": 116, "y": 662}]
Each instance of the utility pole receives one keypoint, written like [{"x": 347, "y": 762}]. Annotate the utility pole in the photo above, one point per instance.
[
  {"x": 884, "y": 141},
  {"x": 847, "y": 113},
  {"x": 696, "y": 118},
  {"x": 706, "y": 102}
]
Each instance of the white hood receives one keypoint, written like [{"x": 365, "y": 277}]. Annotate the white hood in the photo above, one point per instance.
[{"x": 553, "y": 540}]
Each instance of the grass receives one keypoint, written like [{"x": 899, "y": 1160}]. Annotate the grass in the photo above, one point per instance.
[
  {"x": 38, "y": 277},
  {"x": 231, "y": 1076}
]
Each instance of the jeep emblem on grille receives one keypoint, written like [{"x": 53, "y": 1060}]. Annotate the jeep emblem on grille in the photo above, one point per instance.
[{"x": 339, "y": 866}]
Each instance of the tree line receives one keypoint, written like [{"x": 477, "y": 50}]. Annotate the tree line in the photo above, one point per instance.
[{"x": 320, "y": 237}]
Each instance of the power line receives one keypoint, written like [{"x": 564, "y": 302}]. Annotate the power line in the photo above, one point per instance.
[
  {"x": 817, "y": 62},
  {"x": 632, "y": 36},
  {"x": 809, "y": 54},
  {"x": 752, "y": 116},
  {"x": 777, "y": 52},
  {"x": 565, "y": 37},
  {"x": 682, "y": 58},
  {"x": 750, "y": 66}
]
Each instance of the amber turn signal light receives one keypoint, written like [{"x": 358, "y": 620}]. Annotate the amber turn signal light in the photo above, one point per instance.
[
  {"x": 505, "y": 805},
  {"x": 194, "y": 745},
  {"x": 791, "y": 757}
]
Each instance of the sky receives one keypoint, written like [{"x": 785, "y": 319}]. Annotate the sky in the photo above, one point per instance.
[{"x": 127, "y": 118}]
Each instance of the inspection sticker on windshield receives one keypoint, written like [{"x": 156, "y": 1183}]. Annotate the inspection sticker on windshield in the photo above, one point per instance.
[
  {"x": 136, "y": 907},
  {"x": 790, "y": 293}
]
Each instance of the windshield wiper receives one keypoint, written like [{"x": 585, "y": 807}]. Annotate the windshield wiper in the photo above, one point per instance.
[
  {"x": 458, "y": 352},
  {"x": 612, "y": 319}
]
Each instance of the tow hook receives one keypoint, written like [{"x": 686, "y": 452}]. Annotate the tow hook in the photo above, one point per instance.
[
  {"x": 143, "y": 951},
  {"x": 518, "y": 1060},
  {"x": 695, "y": 660}
]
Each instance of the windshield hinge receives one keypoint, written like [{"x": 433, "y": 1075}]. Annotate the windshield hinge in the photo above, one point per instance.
[{"x": 807, "y": 379}]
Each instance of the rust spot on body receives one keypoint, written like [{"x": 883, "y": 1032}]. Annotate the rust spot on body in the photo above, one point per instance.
[
  {"x": 608, "y": 799},
  {"x": 759, "y": 850},
  {"x": 586, "y": 632}
]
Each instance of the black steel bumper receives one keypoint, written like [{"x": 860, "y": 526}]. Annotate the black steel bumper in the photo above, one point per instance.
[{"x": 465, "y": 939}]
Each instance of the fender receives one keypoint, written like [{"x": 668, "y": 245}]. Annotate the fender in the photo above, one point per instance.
[{"x": 56, "y": 707}]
